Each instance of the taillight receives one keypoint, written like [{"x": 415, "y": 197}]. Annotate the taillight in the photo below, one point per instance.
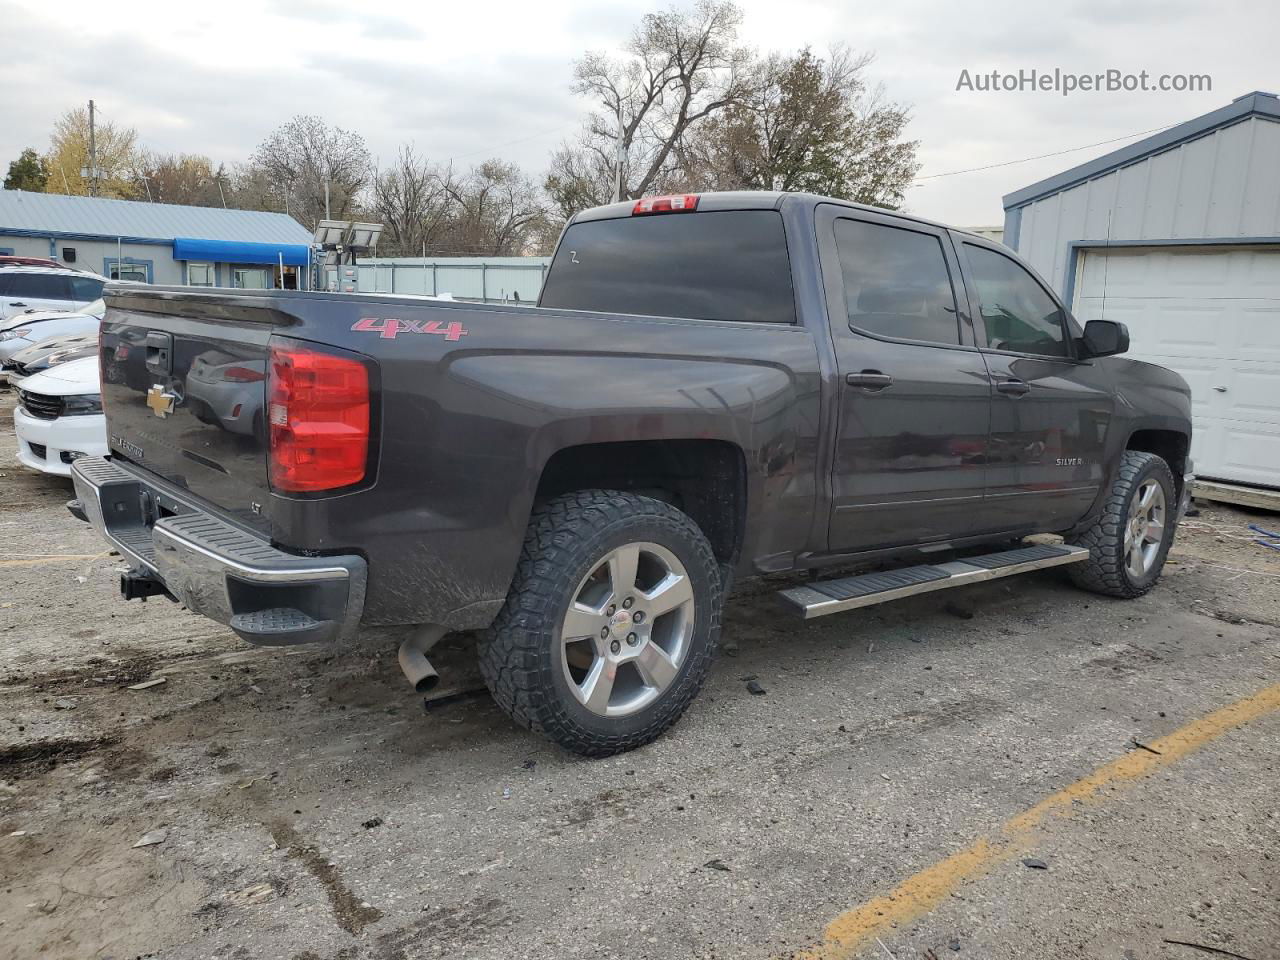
[
  {"x": 681, "y": 203},
  {"x": 318, "y": 419},
  {"x": 242, "y": 375}
]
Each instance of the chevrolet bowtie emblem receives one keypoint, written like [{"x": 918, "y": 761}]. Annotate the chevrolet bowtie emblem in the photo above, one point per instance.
[{"x": 160, "y": 401}]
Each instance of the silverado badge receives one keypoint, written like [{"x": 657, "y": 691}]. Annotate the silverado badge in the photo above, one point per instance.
[{"x": 160, "y": 401}]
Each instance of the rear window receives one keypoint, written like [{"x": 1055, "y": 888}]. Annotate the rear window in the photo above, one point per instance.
[
  {"x": 85, "y": 288},
  {"x": 727, "y": 265}
]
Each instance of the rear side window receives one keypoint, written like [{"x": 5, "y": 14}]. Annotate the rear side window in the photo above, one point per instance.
[
  {"x": 727, "y": 265},
  {"x": 1018, "y": 314},
  {"x": 39, "y": 286},
  {"x": 86, "y": 289},
  {"x": 896, "y": 282}
]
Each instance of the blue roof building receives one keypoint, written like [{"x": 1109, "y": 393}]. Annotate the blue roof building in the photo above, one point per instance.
[{"x": 157, "y": 242}]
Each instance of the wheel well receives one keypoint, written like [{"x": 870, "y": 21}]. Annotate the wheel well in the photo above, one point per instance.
[
  {"x": 704, "y": 478},
  {"x": 1169, "y": 445}
]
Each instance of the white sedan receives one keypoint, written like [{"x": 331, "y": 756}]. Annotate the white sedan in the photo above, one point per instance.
[
  {"x": 59, "y": 418},
  {"x": 28, "y": 329}
]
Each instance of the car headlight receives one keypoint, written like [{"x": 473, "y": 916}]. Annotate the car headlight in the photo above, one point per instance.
[
  {"x": 82, "y": 405},
  {"x": 14, "y": 334}
]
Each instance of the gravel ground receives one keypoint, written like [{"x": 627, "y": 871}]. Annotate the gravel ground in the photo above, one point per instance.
[{"x": 312, "y": 808}]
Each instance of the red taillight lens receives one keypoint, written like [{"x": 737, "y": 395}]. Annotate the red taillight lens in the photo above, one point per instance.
[
  {"x": 683, "y": 203},
  {"x": 243, "y": 375},
  {"x": 318, "y": 419}
]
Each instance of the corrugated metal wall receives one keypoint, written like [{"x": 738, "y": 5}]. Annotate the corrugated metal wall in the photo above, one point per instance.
[
  {"x": 491, "y": 279},
  {"x": 1225, "y": 184}
]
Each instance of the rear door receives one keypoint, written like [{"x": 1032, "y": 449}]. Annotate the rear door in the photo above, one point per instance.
[
  {"x": 909, "y": 464},
  {"x": 1050, "y": 411},
  {"x": 22, "y": 292}
]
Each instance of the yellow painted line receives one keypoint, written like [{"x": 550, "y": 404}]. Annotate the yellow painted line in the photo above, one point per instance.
[{"x": 919, "y": 894}]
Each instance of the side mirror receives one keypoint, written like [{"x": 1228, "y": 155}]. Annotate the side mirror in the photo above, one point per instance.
[{"x": 1105, "y": 338}]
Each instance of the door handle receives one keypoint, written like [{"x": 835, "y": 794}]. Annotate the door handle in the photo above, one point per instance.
[
  {"x": 15, "y": 303},
  {"x": 869, "y": 380},
  {"x": 1221, "y": 389},
  {"x": 1013, "y": 388}
]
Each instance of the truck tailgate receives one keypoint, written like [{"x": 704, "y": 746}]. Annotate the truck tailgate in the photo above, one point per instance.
[{"x": 184, "y": 390}]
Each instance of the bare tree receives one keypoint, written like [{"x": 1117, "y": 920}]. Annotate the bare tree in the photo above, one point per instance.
[
  {"x": 497, "y": 210},
  {"x": 187, "y": 178},
  {"x": 412, "y": 200},
  {"x": 679, "y": 67},
  {"x": 306, "y": 155}
]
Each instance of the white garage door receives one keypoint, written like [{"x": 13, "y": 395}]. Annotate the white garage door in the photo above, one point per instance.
[{"x": 1213, "y": 315}]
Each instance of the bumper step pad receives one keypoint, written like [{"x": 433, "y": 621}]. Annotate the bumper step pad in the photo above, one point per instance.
[{"x": 848, "y": 593}]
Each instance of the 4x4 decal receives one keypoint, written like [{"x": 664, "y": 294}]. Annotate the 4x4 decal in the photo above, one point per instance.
[{"x": 391, "y": 327}]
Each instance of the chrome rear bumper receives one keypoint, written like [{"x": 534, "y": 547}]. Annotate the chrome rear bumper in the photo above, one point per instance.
[{"x": 214, "y": 567}]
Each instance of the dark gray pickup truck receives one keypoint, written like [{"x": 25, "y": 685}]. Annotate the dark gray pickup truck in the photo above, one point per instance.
[{"x": 710, "y": 387}]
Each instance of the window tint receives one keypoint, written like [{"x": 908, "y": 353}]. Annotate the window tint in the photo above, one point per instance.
[
  {"x": 896, "y": 282},
  {"x": 729, "y": 265},
  {"x": 39, "y": 286},
  {"x": 86, "y": 289},
  {"x": 1017, "y": 312}
]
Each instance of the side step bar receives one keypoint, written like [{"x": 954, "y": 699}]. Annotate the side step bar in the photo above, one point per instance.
[{"x": 848, "y": 593}]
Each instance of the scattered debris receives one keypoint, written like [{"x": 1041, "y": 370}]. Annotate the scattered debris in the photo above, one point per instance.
[
  {"x": 18, "y": 833},
  {"x": 717, "y": 865},
  {"x": 954, "y": 945},
  {"x": 1228, "y": 616},
  {"x": 1034, "y": 864},
  {"x": 1207, "y": 949},
  {"x": 148, "y": 684},
  {"x": 529, "y": 764},
  {"x": 255, "y": 688},
  {"x": 64, "y": 703},
  {"x": 929, "y": 954},
  {"x": 153, "y": 837},
  {"x": 372, "y": 822},
  {"x": 1138, "y": 744},
  {"x": 257, "y": 893},
  {"x": 964, "y": 613},
  {"x": 753, "y": 687},
  {"x": 506, "y": 793}
]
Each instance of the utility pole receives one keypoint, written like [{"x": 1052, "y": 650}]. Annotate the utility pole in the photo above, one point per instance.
[
  {"x": 220, "y": 193},
  {"x": 327, "y": 214},
  {"x": 93, "y": 155}
]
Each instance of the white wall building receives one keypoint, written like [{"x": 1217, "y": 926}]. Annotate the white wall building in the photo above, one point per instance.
[{"x": 1178, "y": 236}]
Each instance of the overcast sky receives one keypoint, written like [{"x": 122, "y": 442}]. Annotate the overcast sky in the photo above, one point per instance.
[{"x": 472, "y": 80}]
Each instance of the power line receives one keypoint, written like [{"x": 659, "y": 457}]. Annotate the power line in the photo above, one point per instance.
[{"x": 1042, "y": 156}]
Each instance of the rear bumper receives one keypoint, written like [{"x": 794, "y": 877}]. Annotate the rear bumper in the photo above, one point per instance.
[{"x": 215, "y": 568}]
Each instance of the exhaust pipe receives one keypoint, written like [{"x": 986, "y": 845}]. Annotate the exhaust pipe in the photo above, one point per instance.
[{"x": 413, "y": 658}]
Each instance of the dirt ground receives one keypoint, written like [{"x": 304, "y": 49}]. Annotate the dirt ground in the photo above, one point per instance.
[{"x": 307, "y": 806}]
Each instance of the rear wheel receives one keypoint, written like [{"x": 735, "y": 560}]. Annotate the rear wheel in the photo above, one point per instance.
[
  {"x": 611, "y": 624},
  {"x": 1130, "y": 539}
]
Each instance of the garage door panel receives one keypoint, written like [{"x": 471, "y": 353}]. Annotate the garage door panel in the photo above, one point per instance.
[
  {"x": 1239, "y": 452},
  {"x": 1213, "y": 315}
]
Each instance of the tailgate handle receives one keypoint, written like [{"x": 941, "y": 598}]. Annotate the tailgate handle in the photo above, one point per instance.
[{"x": 160, "y": 352}]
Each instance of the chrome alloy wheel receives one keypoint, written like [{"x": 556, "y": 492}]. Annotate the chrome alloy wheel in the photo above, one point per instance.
[
  {"x": 627, "y": 630},
  {"x": 1144, "y": 529}
]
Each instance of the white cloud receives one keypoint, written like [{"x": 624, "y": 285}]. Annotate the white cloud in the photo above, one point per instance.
[{"x": 472, "y": 80}]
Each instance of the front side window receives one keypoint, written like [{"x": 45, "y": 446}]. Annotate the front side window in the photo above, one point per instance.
[
  {"x": 86, "y": 289},
  {"x": 896, "y": 282},
  {"x": 1018, "y": 314},
  {"x": 200, "y": 274},
  {"x": 709, "y": 265}
]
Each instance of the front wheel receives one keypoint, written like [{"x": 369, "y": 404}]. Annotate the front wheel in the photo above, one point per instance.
[
  {"x": 1130, "y": 539},
  {"x": 611, "y": 623}
]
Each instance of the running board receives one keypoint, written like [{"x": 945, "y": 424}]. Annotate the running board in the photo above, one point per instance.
[{"x": 848, "y": 593}]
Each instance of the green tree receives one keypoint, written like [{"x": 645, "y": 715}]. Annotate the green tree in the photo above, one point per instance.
[
  {"x": 808, "y": 124},
  {"x": 28, "y": 172}
]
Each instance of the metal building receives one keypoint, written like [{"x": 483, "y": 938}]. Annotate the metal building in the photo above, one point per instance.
[
  {"x": 157, "y": 242},
  {"x": 1178, "y": 236}
]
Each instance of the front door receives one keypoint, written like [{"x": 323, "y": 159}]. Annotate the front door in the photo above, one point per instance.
[
  {"x": 1049, "y": 411},
  {"x": 909, "y": 464}
]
